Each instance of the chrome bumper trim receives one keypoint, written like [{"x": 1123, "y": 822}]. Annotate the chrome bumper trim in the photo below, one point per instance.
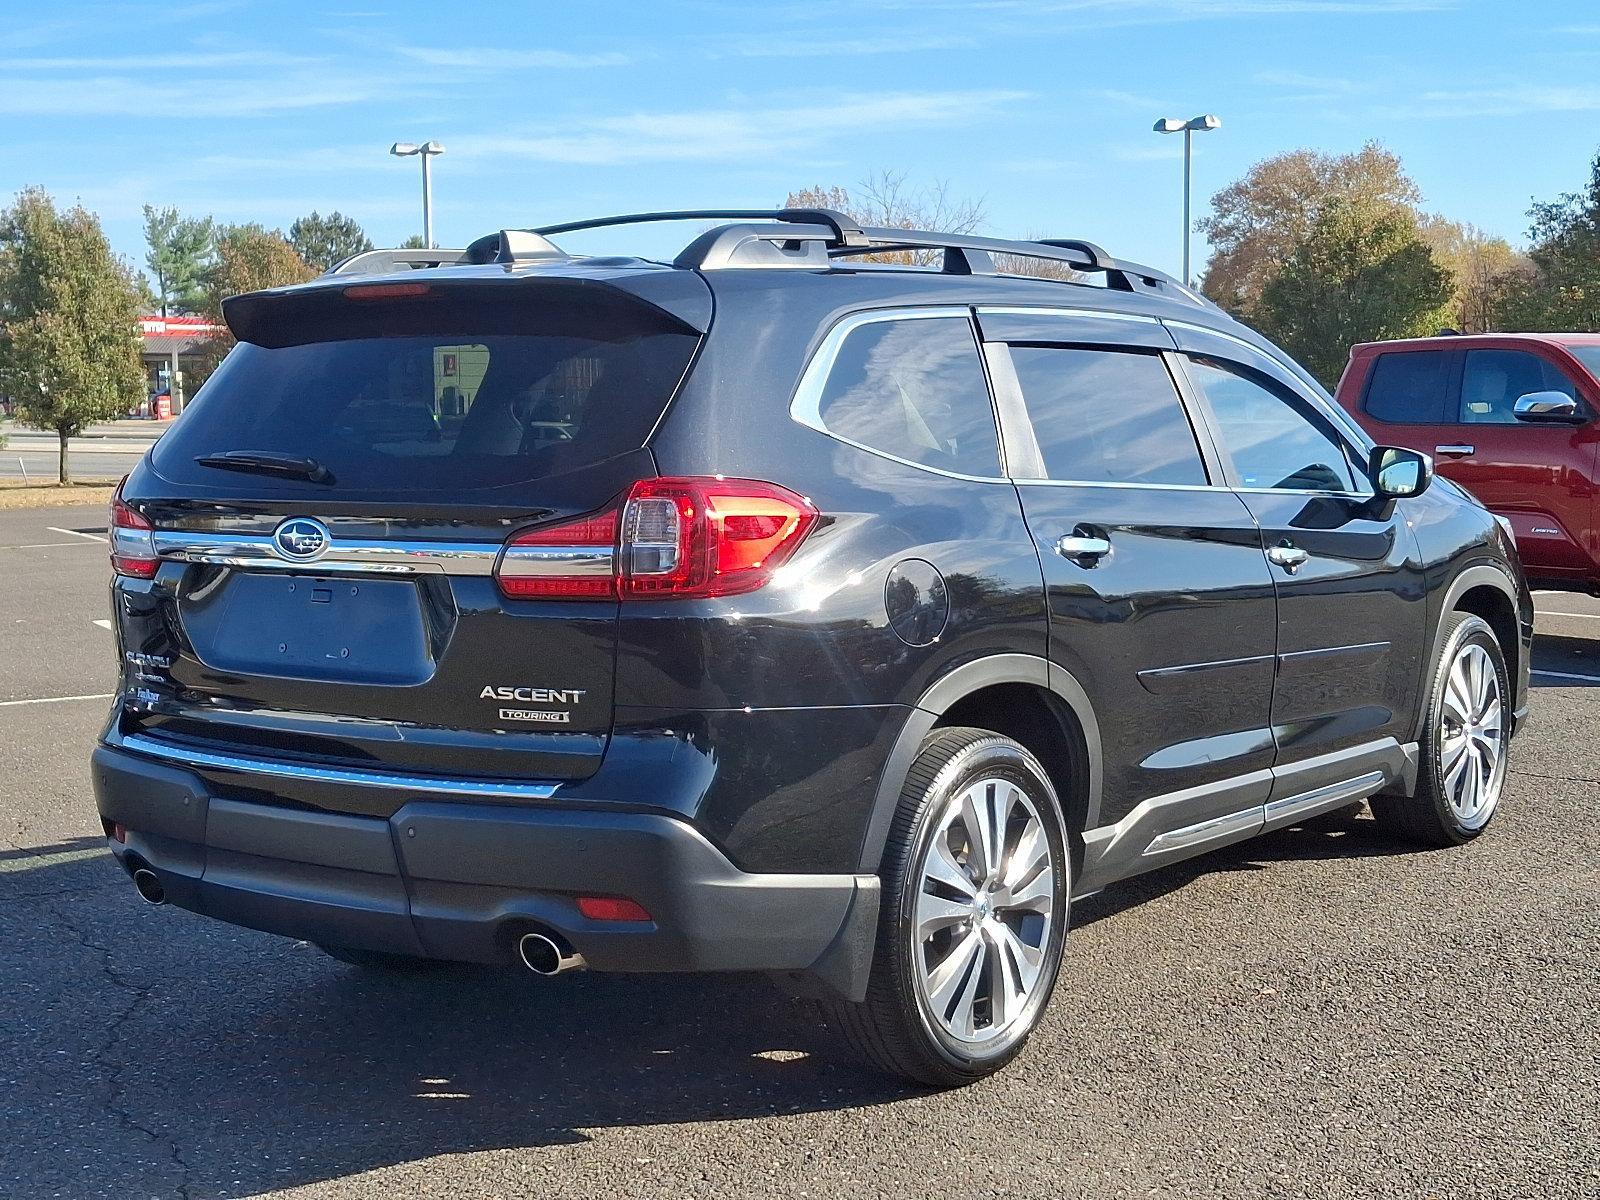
[{"x": 444, "y": 785}]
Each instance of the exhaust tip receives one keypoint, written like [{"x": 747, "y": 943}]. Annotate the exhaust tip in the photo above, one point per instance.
[
  {"x": 545, "y": 956},
  {"x": 148, "y": 884}
]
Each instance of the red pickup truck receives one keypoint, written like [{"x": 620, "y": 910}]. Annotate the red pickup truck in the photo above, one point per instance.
[{"x": 1514, "y": 418}]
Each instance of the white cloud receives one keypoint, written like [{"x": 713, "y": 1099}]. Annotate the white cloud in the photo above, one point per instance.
[
  {"x": 494, "y": 58},
  {"x": 808, "y": 45},
  {"x": 729, "y": 134},
  {"x": 114, "y": 96},
  {"x": 1508, "y": 101}
]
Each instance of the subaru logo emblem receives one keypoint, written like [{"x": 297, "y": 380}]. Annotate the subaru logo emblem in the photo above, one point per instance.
[{"x": 301, "y": 539}]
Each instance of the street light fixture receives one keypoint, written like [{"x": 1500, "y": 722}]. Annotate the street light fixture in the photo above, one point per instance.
[
  {"x": 1188, "y": 129},
  {"x": 427, "y": 150}
]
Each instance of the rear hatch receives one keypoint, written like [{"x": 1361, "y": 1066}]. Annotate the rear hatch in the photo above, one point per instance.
[{"x": 331, "y": 519}]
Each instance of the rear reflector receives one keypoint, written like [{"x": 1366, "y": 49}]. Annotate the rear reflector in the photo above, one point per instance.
[
  {"x": 677, "y": 538},
  {"x": 612, "y": 908},
  {"x": 133, "y": 551}
]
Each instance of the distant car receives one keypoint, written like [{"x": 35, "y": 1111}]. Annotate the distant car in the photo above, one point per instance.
[
  {"x": 767, "y": 610},
  {"x": 1514, "y": 418}
]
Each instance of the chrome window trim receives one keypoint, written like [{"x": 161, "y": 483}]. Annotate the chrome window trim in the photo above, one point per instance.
[
  {"x": 806, "y": 407},
  {"x": 445, "y": 785},
  {"x": 344, "y": 555}
]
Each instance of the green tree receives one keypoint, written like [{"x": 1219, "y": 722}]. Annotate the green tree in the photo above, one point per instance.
[
  {"x": 1564, "y": 293},
  {"x": 1361, "y": 273},
  {"x": 249, "y": 258},
  {"x": 322, "y": 241},
  {"x": 178, "y": 258},
  {"x": 69, "y": 320},
  {"x": 414, "y": 242},
  {"x": 1486, "y": 271},
  {"x": 1256, "y": 222}
]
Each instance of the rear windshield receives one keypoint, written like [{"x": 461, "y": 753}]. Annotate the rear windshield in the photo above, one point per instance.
[{"x": 451, "y": 411}]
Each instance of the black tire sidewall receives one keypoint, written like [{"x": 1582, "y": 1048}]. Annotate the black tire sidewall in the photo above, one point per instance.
[{"x": 995, "y": 757}]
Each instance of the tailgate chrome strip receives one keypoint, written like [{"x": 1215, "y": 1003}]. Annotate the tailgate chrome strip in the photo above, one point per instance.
[
  {"x": 342, "y": 555},
  {"x": 447, "y": 785}
]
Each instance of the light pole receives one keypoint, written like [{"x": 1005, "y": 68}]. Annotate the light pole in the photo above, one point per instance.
[
  {"x": 1188, "y": 129},
  {"x": 427, "y": 150}
]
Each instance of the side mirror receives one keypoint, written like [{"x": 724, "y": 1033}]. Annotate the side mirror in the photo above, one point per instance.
[
  {"x": 1398, "y": 473},
  {"x": 1546, "y": 406}
]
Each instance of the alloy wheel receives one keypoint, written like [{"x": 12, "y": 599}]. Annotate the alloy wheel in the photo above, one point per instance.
[
  {"x": 984, "y": 915},
  {"x": 1472, "y": 758}
]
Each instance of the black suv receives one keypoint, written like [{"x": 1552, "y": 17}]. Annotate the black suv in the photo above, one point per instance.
[{"x": 821, "y": 603}]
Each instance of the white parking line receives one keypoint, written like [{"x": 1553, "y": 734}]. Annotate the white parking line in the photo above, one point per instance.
[
  {"x": 41, "y": 546},
  {"x": 102, "y": 622},
  {"x": 1566, "y": 675},
  {"x": 55, "y": 699},
  {"x": 93, "y": 537}
]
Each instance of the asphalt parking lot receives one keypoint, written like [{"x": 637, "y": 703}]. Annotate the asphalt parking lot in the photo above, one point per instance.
[{"x": 1322, "y": 1012}]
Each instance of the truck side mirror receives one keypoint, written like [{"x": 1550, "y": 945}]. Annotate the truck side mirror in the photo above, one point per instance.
[{"x": 1546, "y": 406}]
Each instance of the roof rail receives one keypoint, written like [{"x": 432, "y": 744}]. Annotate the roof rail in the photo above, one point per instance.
[
  {"x": 846, "y": 231},
  {"x": 373, "y": 262}
]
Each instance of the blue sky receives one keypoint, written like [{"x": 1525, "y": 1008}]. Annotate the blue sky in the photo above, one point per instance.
[{"x": 1042, "y": 109}]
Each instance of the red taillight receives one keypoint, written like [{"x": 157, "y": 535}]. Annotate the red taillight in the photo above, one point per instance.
[
  {"x": 612, "y": 908},
  {"x": 708, "y": 536},
  {"x": 572, "y": 560},
  {"x": 133, "y": 551},
  {"x": 668, "y": 539}
]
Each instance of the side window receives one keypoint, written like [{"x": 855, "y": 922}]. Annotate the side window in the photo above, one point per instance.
[
  {"x": 1408, "y": 388},
  {"x": 1273, "y": 440},
  {"x": 915, "y": 389},
  {"x": 1492, "y": 381},
  {"x": 1107, "y": 416}
]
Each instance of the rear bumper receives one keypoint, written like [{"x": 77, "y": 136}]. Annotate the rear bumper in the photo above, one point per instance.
[{"x": 463, "y": 880}]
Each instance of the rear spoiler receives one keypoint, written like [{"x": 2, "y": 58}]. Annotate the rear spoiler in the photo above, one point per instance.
[{"x": 426, "y": 303}]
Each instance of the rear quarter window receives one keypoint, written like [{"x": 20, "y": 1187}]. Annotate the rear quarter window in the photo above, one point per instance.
[{"x": 1408, "y": 387}]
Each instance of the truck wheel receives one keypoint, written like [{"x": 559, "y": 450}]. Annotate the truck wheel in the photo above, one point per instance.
[
  {"x": 976, "y": 880},
  {"x": 1464, "y": 742}
]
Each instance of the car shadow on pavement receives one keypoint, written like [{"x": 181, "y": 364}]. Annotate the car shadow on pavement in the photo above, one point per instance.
[
  {"x": 260, "y": 1063},
  {"x": 1342, "y": 834}
]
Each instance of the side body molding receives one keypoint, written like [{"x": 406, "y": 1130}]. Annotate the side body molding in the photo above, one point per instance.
[{"x": 944, "y": 693}]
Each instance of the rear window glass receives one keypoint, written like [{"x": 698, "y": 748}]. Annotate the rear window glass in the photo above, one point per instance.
[
  {"x": 915, "y": 389},
  {"x": 448, "y": 412},
  {"x": 1408, "y": 388},
  {"x": 1107, "y": 416}
]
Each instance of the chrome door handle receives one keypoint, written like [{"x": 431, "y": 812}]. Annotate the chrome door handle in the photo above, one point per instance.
[
  {"x": 1457, "y": 451},
  {"x": 1076, "y": 546},
  {"x": 1290, "y": 558}
]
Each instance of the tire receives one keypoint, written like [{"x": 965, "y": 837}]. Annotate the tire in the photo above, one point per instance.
[
  {"x": 954, "y": 1006},
  {"x": 378, "y": 960},
  {"x": 1462, "y": 767}
]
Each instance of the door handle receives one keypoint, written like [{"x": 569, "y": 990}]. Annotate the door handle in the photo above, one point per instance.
[
  {"x": 1081, "y": 546},
  {"x": 1290, "y": 558},
  {"x": 1454, "y": 451}
]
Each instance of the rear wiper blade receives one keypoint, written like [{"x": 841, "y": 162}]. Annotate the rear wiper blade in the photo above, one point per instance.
[{"x": 267, "y": 463}]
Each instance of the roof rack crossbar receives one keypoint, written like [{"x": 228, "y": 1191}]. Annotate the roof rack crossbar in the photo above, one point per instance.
[{"x": 846, "y": 231}]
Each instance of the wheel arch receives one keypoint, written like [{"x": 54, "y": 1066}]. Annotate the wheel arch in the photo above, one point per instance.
[
  {"x": 1039, "y": 704},
  {"x": 1486, "y": 591}
]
